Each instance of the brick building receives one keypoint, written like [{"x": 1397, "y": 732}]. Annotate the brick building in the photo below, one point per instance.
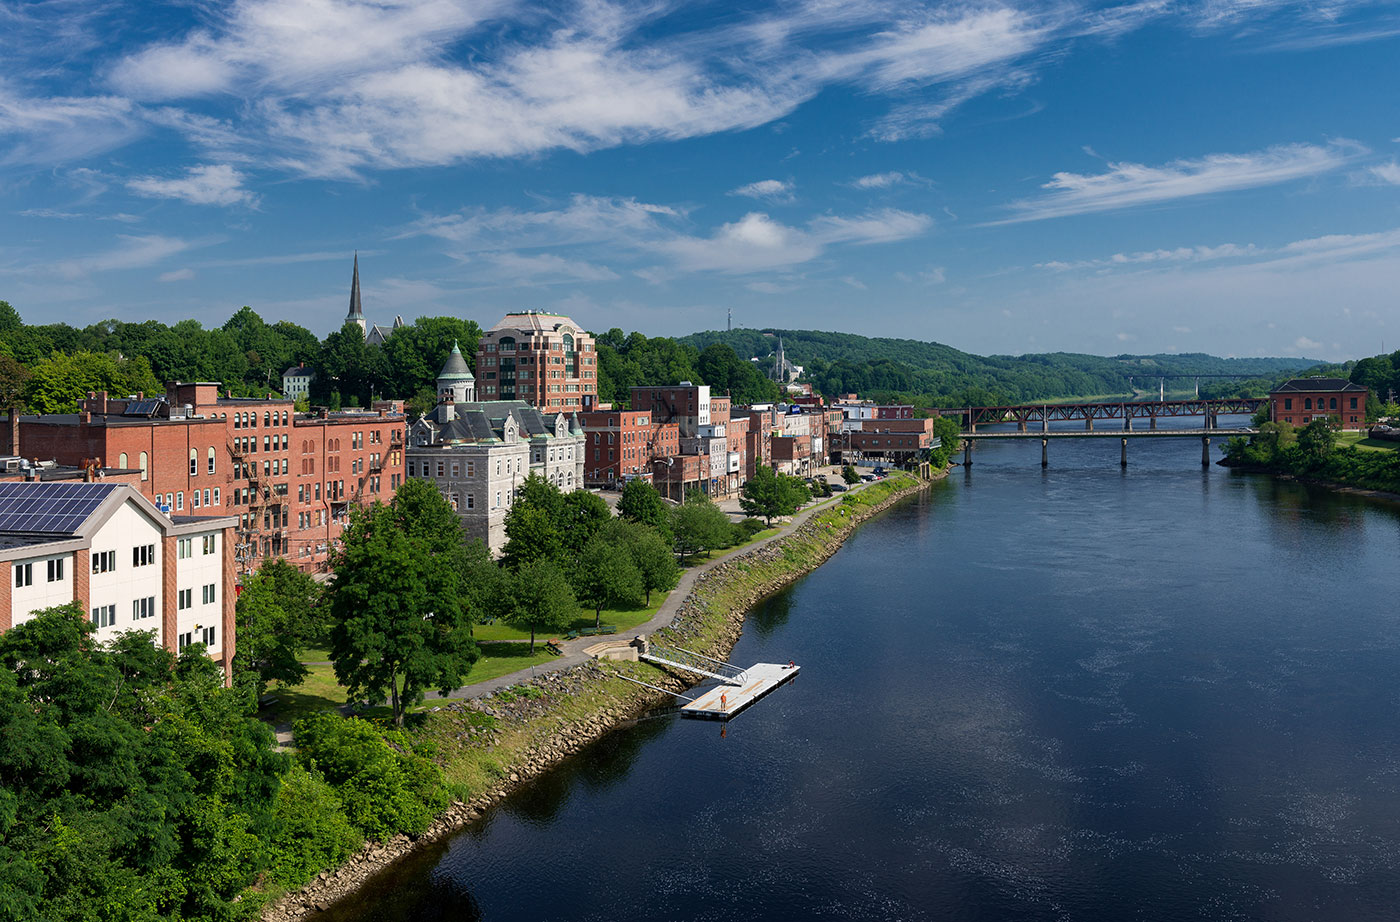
[
  {"x": 1302, "y": 400},
  {"x": 620, "y": 445},
  {"x": 544, "y": 359},
  {"x": 107, "y": 547},
  {"x": 289, "y": 479},
  {"x": 706, "y": 434}
]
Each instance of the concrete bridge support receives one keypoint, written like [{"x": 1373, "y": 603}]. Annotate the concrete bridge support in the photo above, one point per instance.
[
  {"x": 967, "y": 452},
  {"x": 1044, "y": 452},
  {"x": 1205, "y": 451},
  {"x": 1152, "y": 422},
  {"x": 1088, "y": 424},
  {"x": 1124, "y": 461}
]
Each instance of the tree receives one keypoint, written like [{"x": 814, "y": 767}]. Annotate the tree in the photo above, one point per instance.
[
  {"x": 654, "y": 562},
  {"x": 849, "y": 475},
  {"x": 642, "y": 504},
  {"x": 538, "y": 599},
  {"x": 301, "y": 597},
  {"x": 269, "y": 639},
  {"x": 533, "y": 523},
  {"x": 400, "y": 625},
  {"x": 770, "y": 494},
  {"x": 581, "y": 515},
  {"x": 607, "y": 576},
  {"x": 698, "y": 525},
  {"x": 1317, "y": 439}
]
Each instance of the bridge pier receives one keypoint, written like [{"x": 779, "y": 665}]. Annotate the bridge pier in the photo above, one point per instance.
[
  {"x": 1020, "y": 425},
  {"x": 1152, "y": 422},
  {"x": 1124, "y": 461},
  {"x": 1088, "y": 424},
  {"x": 1044, "y": 452},
  {"x": 1205, "y": 451},
  {"x": 967, "y": 453}
]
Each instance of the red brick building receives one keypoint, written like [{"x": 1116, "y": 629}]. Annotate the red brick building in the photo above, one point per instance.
[
  {"x": 544, "y": 359},
  {"x": 1302, "y": 400},
  {"x": 288, "y": 479},
  {"x": 620, "y": 445}
]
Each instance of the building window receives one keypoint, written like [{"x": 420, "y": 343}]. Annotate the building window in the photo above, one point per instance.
[
  {"x": 184, "y": 547},
  {"x": 1353, "y": 406},
  {"x": 145, "y": 463},
  {"x": 216, "y": 496},
  {"x": 186, "y": 639},
  {"x": 1288, "y": 403},
  {"x": 185, "y": 598},
  {"x": 1331, "y": 403},
  {"x": 104, "y": 616},
  {"x": 104, "y": 561},
  {"x": 194, "y": 462},
  {"x": 471, "y": 468},
  {"x": 471, "y": 501},
  {"x": 56, "y": 570},
  {"x": 498, "y": 500},
  {"x": 208, "y": 594},
  {"x": 24, "y": 575},
  {"x": 206, "y": 496},
  {"x": 143, "y": 555},
  {"x": 209, "y": 636},
  {"x": 194, "y": 499},
  {"x": 143, "y": 608},
  {"x": 210, "y": 544},
  {"x": 211, "y": 459}
]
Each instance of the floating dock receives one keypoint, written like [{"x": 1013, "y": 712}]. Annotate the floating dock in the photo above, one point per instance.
[{"x": 724, "y": 702}]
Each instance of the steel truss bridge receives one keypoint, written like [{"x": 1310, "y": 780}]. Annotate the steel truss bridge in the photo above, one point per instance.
[{"x": 1042, "y": 414}]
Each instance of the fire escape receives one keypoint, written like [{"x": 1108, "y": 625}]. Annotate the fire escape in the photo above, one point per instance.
[{"x": 265, "y": 513}]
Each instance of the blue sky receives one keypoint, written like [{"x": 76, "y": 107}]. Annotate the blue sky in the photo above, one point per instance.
[{"x": 1153, "y": 176}]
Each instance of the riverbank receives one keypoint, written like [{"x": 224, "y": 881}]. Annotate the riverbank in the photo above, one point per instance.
[
  {"x": 1335, "y": 486},
  {"x": 489, "y": 746}
]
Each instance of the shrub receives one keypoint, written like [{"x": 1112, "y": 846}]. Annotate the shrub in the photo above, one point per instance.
[{"x": 310, "y": 830}]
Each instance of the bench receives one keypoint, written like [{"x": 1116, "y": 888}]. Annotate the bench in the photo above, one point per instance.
[
  {"x": 555, "y": 646},
  {"x": 571, "y": 635},
  {"x": 595, "y": 631}
]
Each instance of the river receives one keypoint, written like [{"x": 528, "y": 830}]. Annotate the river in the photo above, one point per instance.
[{"x": 1083, "y": 693}]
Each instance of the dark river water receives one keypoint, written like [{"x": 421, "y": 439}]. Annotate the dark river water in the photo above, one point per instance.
[{"x": 1083, "y": 693}]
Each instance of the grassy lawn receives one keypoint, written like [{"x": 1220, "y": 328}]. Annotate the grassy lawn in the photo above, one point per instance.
[
  {"x": 319, "y": 692},
  {"x": 498, "y": 659},
  {"x": 1361, "y": 440},
  {"x": 624, "y": 619}
]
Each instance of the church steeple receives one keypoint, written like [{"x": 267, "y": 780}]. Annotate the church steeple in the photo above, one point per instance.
[{"x": 356, "y": 316}]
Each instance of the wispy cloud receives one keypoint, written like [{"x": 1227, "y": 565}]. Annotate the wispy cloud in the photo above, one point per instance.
[
  {"x": 1330, "y": 248},
  {"x": 217, "y": 184},
  {"x": 1128, "y": 185},
  {"x": 773, "y": 190},
  {"x": 131, "y": 252},
  {"x": 880, "y": 180},
  {"x": 756, "y": 242},
  {"x": 60, "y": 129},
  {"x": 1387, "y": 172}
]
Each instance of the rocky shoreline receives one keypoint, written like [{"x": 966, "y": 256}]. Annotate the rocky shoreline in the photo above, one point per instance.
[{"x": 717, "y": 633}]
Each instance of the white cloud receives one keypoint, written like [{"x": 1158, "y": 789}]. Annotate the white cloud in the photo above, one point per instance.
[
  {"x": 57, "y": 129},
  {"x": 757, "y": 242},
  {"x": 774, "y": 190},
  {"x": 543, "y": 268},
  {"x": 585, "y": 219},
  {"x": 1387, "y": 172},
  {"x": 178, "y": 275},
  {"x": 217, "y": 184},
  {"x": 1175, "y": 255},
  {"x": 1127, "y": 185},
  {"x": 1306, "y": 345},
  {"x": 879, "y": 180},
  {"x": 130, "y": 253}
]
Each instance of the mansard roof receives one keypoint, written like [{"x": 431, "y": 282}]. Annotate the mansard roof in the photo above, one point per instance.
[
  {"x": 533, "y": 320},
  {"x": 485, "y": 421}
]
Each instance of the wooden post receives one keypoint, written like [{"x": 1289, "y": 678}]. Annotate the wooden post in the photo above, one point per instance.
[
  {"x": 1124, "y": 461},
  {"x": 1044, "y": 452}
]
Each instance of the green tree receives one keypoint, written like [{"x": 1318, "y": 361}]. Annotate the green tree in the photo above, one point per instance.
[
  {"x": 849, "y": 475},
  {"x": 655, "y": 562},
  {"x": 532, "y": 524},
  {"x": 1317, "y": 439},
  {"x": 581, "y": 515},
  {"x": 301, "y": 597},
  {"x": 642, "y": 504},
  {"x": 400, "y": 625},
  {"x": 770, "y": 494},
  {"x": 698, "y": 525},
  {"x": 538, "y": 599},
  {"x": 607, "y": 576},
  {"x": 270, "y": 640}
]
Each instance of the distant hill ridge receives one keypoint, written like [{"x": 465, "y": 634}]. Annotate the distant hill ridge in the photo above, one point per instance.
[{"x": 849, "y": 362}]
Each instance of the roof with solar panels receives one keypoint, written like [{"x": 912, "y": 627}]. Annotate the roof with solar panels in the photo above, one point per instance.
[{"x": 66, "y": 515}]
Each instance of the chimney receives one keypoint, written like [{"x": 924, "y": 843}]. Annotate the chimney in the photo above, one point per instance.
[{"x": 85, "y": 416}]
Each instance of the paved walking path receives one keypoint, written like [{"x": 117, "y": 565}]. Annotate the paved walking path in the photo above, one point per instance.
[{"x": 573, "y": 649}]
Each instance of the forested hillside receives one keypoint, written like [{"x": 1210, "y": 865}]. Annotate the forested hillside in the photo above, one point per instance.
[{"x": 941, "y": 375}]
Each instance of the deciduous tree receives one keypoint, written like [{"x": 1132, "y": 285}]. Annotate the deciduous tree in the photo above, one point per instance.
[{"x": 538, "y": 599}]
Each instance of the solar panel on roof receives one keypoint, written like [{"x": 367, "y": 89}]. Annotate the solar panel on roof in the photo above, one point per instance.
[
  {"x": 141, "y": 407},
  {"x": 49, "y": 508}
]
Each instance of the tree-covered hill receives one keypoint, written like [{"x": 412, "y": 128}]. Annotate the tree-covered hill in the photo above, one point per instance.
[{"x": 940, "y": 374}]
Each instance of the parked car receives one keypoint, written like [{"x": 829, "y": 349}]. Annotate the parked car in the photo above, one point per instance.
[
  {"x": 867, "y": 477},
  {"x": 838, "y": 487}
]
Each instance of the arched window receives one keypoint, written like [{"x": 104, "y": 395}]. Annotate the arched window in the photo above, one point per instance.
[
  {"x": 284, "y": 417},
  {"x": 121, "y": 460},
  {"x": 211, "y": 459},
  {"x": 144, "y": 461},
  {"x": 1307, "y": 403},
  {"x": 194, "y": 461},
  {"x": 238, "y": 421},
  {"x": 267, "y": 419},
  {"x": 1332, "y": 403}
]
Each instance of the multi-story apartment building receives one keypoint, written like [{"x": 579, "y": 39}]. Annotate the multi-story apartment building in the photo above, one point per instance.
[
  {"x": 289, "y": 479},
  {"x": 107, "y": 547},
  {"x": 706, "y": 432},
  {"x": 544, "y": 359},
  {"x": 1302, "y": 400},
  {"x": 479, "y": 452},
  {"x": 620, "y": 445}
]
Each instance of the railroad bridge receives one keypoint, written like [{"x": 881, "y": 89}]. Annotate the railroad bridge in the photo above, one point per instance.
[{"x": 1026, "y": 414}]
